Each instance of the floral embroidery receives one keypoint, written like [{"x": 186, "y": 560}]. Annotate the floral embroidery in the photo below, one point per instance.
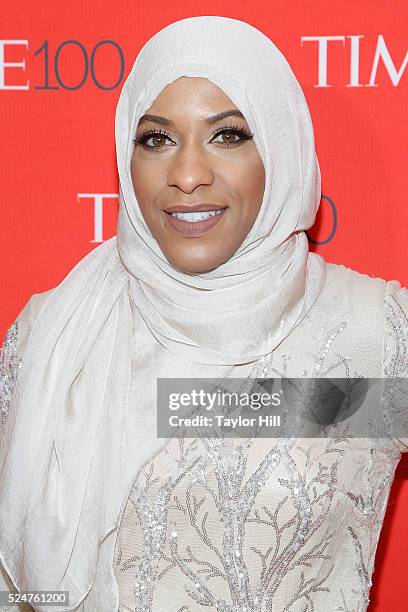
[
  {"x": 396, "y": 337},
  {"x": 253, "y": 525},
  {"x": 10, "y": 362},
  {"x": 395, "y": 360}
]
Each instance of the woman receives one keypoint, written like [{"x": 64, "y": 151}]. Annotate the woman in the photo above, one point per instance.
[{"x": 91, "y": 500}]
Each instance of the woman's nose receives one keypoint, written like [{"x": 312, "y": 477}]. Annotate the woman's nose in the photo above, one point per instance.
[{"x": 190, "y": 167}]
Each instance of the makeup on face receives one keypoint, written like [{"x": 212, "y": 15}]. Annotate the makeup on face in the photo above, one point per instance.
[{"x": 197, "y": 174}]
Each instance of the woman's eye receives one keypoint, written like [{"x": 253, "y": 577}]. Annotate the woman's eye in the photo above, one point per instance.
[
  {"x": 158, "y": 141},
  {"x": 231, "y": 137}
]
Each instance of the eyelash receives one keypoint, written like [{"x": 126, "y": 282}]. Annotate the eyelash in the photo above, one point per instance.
[{"x": 234, "y": 129}]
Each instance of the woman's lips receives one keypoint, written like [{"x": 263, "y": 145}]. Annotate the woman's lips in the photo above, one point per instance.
[{"x": 193, "y": 228}]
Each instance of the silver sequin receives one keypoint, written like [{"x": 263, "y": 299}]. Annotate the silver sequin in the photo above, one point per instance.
[{"x": 10, "y": 362}]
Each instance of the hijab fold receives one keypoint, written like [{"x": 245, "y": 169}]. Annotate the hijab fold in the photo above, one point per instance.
[{"x": 67, "y": 457}]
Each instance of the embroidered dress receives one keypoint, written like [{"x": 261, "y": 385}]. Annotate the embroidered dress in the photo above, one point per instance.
[
  {"x": 254, "y": 525},
  {"x": 242, "y": 524}
]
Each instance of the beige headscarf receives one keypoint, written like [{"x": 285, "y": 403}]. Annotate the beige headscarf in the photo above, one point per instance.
[{"x": 82, "y": 416}]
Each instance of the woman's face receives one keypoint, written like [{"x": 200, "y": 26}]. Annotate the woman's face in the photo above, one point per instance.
[{"x": 186, "y": 156}]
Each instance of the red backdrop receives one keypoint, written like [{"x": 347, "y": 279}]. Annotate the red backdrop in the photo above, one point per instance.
[{"x": 62, "y": 65}]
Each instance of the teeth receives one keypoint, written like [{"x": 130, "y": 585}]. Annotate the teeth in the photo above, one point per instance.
[{"x": 193, "y": 217}]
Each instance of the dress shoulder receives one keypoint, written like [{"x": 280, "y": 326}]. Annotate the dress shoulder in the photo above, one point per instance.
[
  {"x": 395, "y": 353},
  {"x": 13, "y": 347},
  {"x": 363, "y": 294}
]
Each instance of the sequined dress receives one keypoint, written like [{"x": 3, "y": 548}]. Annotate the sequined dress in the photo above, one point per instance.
[{"x": 254, "y": 525}]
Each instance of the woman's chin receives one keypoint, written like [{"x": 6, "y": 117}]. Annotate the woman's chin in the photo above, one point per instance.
[{"x": 192, "y": 265}]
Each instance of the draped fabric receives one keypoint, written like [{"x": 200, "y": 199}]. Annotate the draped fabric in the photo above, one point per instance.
[{"x": 79, "y": 391}]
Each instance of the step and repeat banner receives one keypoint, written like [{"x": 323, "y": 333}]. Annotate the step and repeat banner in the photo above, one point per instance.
[{"x": 62, "y": 66}]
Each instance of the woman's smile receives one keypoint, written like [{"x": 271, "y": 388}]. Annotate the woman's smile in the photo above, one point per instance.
[{"x": 193, "y": 221}]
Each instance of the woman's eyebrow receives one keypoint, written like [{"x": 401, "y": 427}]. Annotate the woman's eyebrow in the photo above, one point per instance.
[{"x": 209, "y": 120}]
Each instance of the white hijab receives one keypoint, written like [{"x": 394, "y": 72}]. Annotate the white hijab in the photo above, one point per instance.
[{"x": 76, "y": 436}]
